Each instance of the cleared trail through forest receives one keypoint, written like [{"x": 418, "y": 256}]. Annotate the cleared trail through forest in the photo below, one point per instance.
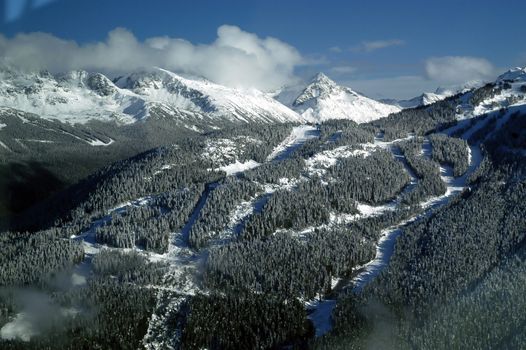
[
  {"x": 322, "y": 310},
  {"x": 186, "y": 264},
  {"x": 298, "y": 136},
  {"x": 283, "y": 151},
  {"x": 385, "y": 246},
  {"x": 185, "y": 231}
]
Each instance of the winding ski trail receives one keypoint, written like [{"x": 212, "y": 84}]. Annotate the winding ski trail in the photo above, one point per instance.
[{"x": 322, "y": 310}]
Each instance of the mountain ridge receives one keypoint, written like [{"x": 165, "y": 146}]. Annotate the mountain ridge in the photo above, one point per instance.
[{"x": 80, "y": 96}]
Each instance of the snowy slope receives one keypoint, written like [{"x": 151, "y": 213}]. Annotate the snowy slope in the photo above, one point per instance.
[
  {"x": 517, "y": 74},
  {"x": 79, "y": 96},
  {"x": 323, "y": 99},
  {"x": 440, "y": 93},
  {"x": 425, "y": 99},
  {"x": 203, "y": 96},
  {"x": 75, "y": 97},
  {"x": 508, "y": 90}
]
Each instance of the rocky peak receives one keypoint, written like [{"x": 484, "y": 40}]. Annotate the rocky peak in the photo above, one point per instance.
[
  {"x": 320, "y": 86},
  {"x": 100, "y": 84}
]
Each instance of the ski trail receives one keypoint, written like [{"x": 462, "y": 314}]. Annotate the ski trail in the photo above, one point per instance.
[
  {"x": 298, "y": 136},
  {"x": 185, "y": 264},
  {"x": 322, "y": 311},
  {"x": 185, "y": 231},
  {"x": 386, "y": 243}
]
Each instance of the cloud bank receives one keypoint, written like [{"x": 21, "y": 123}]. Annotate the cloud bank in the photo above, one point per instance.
[
  {"x": 446, "y": 72},
  {"x": 236, "y": 58},
  {"x": 458, "y": 69}
]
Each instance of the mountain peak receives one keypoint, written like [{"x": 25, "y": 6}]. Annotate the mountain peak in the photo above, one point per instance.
[
  {"x": 320, "y": 77},
  {"x": 324, "y": 99},
  {"x": 319, "y": 87}
]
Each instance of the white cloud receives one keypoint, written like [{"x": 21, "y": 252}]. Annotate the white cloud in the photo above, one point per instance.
[
  {"x": 343, "y": 70},
  {"x": 235, "y": 58},
  {"x": 458, "y": 69},
  {"x": 335, "y": 49},
  {"x": 448, "y": 72},
  {"x": 368, "y": 46}
]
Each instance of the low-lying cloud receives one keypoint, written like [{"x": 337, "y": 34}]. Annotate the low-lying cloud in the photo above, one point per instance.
[
  {"x": 236, "y": 58},
  {"x": 458, "y": 69},
  {"x": 38, "y": 314}
]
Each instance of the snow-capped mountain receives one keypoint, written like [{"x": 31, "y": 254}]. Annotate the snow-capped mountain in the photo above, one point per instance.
[
  {"x": 323, "y": 99},
  {"x": 508, "y": 91},
  {"x": 75, "y": 97},
  {"x": 205, "y": 97},
  {"x": 79, "y": 96}
]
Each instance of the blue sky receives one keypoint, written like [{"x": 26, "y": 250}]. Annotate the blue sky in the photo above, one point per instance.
[{"x": 382, "y": 48}]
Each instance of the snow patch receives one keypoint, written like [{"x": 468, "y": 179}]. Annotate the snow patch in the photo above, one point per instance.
[
  {"x": 238, "y": 167},
  {"x": 100, "y": 142},
  {"x": 321, "y": 315},
  {"x": 298, "y": 136},
  {"x": 326, "y": 159},
  {"x": 39, "y": 141},
  {"x": 5, "y": 146}
]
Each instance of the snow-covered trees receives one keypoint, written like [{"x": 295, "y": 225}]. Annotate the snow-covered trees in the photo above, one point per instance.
[
  {"x": 456, "y": 277},
  {"x": 283, "y": 265},
  {"x": 451, "y": 151},
  {"x": 420, "y": 120},
  {"x": 33, "y": 258},
  {"x": 428, "y": 173},
  {"x": 244, "y": 321},
  {"x": 216, "y": 213}
]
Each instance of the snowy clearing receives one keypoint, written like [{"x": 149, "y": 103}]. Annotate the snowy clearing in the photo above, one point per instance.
[
  {"x": 325, "y": 159},
  {"x": 321, "y": 313},
  {"x": 298, "y": 136},
  {"x": 238, "y": 167}
]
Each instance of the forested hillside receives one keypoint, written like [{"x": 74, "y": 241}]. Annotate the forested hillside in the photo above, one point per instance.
[{"x": 406, "y": 232}]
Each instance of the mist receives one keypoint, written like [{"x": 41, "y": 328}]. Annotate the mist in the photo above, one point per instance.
[{"x": 38, "y": 314}]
